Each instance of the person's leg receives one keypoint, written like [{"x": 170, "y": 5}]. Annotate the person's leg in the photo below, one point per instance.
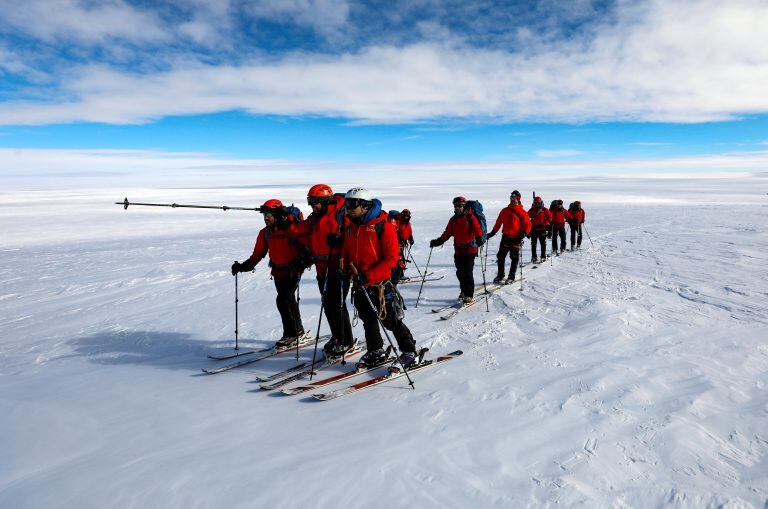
[
  {"x": 287, "y": 306},
  {"x": 368, "y": 316}
]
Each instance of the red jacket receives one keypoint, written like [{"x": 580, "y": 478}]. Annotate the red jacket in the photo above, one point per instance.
[
  {"x": 576, "y": 217},
  {"x": 281, "y": 245},
  {"x": 540, "y": 218},
  {"x": 558, "y": 216},
  {"x": 316, "y": 229},
  {"x": 515, "y": 221},
  {"x": 404, "y": 232},
  {"x": 372, "y": 256},
  {"x": 464, "y": 228}
]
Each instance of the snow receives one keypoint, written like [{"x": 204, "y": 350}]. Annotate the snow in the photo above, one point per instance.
[{"x": 630, "y": 374}]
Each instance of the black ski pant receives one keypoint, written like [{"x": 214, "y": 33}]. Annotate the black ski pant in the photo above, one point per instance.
[
  {"x": 508, "y": 247},
  {"x": 335, "y": 307},
  {"x": 575, "y": 234},
  {"x": 288, "y": 306},
  {"x": 465, "y": 265},
  {"x": 558, "y": 231},
  {"x": 539, "y": 237},
  {"x": 392, "y": 321}
]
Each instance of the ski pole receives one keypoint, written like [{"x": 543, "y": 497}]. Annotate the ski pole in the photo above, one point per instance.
[
  {"x": 414, "y": 262},
  {"x": 125, "y": 203},
  {"x": 590, "y": 238},
  {"x": 485, "y": 287},
  {"x": 298, "y": 300},
  {"x": 236, "y": 320},
  {"x": 424, "y": 277},
  {"x": 319, "y": 322},
  {"x": 521, "y": 267},
  {"x": 381, "y": 322},
  {"x": 343, "y": 324}
]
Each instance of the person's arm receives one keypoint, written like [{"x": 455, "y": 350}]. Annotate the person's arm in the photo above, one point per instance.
[
  {"x": 390, "y": 255},
  {"x": 499, "y": 222},
  {"x": 447, "y": 234}
]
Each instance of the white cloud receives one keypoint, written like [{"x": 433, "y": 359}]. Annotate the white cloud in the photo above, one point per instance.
[
  {"x": 326, "y": 17},
  {"x": 550, "y": 154},
  {"x": 84, "y": 21},
  {"x": 675, "y": 61}
]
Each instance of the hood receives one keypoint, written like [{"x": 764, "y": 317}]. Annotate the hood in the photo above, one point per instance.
[{"x": 374, "y": 212}]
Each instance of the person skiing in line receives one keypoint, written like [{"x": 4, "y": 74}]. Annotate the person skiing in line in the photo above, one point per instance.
[
  {"x": 370, "y": 252},
  {"x": 405, "y": 232},
  {"x": 540, "y": 224},
  {"x": 398, "y": 272},
  {"x": 575, "y": 216},
  {"x": 558, "y": 226},
  {"x": 279, "y": 239},
  {"x": 323, "y": 231},
  {"x": 467, "y": 235},
  {"x": 516, "y": 225}
]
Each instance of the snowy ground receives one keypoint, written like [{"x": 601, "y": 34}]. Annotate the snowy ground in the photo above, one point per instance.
[{"x": 631, "y": 374}]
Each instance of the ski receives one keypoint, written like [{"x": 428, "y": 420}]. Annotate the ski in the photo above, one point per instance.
[
  {"x": 405, "y": 281},
  {"x": 236, "y": 354},
  {"x": 304, "y": 340},
  {"x": 281, "y": 374},
  {"x": 479, "y": 298},
  {"x": 341, "y": 376},
  {"x": 393, "y": 373},
  {"x": 298, "y": 376}
]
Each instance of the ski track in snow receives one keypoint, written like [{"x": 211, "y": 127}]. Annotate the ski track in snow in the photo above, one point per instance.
[{"x": 629, "y": 374}]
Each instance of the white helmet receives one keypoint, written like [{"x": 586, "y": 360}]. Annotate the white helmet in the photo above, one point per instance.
[{"x": 359, "y": 193}]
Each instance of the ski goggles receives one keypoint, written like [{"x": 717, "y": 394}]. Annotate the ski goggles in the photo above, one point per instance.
[
  {"x": 314, "y": 200},
  {"x": 353, "y": 203}
]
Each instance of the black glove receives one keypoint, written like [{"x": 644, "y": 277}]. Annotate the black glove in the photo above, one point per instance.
[
  {"x": 362, "y": 279},
  {"x": 236, "y": 268},
  {"x": 479, "y": 241},
  {"x": 410, "y": 241},
  {"x": 549, "y": 233},
  {"x": 490, "y": 235},
  {"x": 334, "y": 240},
  {"x": 520, "y": 238},
  {"x": 435, "y": 243}
]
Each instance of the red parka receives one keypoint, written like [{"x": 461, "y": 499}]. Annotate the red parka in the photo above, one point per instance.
[
  {"x": 540, "y": 218},
  {"x": 372, "y": 256},
  {"x": 515, "y": 221},
  {"x": 404, "y": 232},
  {"x": 282, "y": 245},
  {"x": 464, "y": 228},
  {"x": 576, "y": 217},
  {"x": 316, "y": 228},
  {"x": 558, "y": 216}
]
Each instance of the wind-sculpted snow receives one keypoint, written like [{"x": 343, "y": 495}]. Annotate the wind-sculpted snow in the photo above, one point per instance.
[{"x": 629, "y": 374}]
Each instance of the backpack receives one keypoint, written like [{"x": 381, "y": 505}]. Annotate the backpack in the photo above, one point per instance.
[
  {"x": 477, "y": 209},
  {"x": 294, "y": 214}
]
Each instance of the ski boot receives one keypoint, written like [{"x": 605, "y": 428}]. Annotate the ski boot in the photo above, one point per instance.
[
  {"x": 372, "y": 358},
  {"x": 286, "y": 342},
  {"x": 335, "y": 348},
  {"x": 509, "y": 280},
  {"x": 534, "y": 259},
  {"x": 466, "y": 299},
  {"x": 407, "y": 358},
  {"x": 498, "y": 279}
]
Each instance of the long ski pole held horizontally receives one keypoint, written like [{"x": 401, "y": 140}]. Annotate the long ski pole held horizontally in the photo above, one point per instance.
[
  {"x": 381, "y": 322},
  {"x": 125, "y": 203},
  {"x": 590, "y": 238},
  {"x": 319, "y": 322},
  {"x": 424, "y": 277}
]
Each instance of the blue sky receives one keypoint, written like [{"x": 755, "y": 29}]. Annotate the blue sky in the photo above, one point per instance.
[{"x": 400, "y": 81}]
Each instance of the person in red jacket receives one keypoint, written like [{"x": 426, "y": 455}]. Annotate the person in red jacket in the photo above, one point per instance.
[
  {"x": 399, "y": 271},
  {"x": 467, "y": 235},
  {"x": 323, "y": 229},
  {"x": 405, "y": 232},
  {"x": 558, "y": 225},
  {"x": 279, "y": 239},
  {"x": 540, "y": 222},
  {"x": 370, "y": 252},
  {"x": 515, "y": 225},
  {"x": 575, "y": 216}
]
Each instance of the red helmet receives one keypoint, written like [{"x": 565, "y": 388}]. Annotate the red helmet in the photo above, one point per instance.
[
  {"x": 459, "y": 199},
  {"x": 320, "y": 191},
  {"x": 538, "y": 200},
  {"x": 405, "y": 211},
  {"x": 272, "y": 206}
]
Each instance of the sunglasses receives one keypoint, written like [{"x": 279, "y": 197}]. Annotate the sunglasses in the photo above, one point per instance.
[
  {"x": 314, "y": 200},
  {"x": 353, "y": 203},
  {"x": 268, "y": 214}
]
